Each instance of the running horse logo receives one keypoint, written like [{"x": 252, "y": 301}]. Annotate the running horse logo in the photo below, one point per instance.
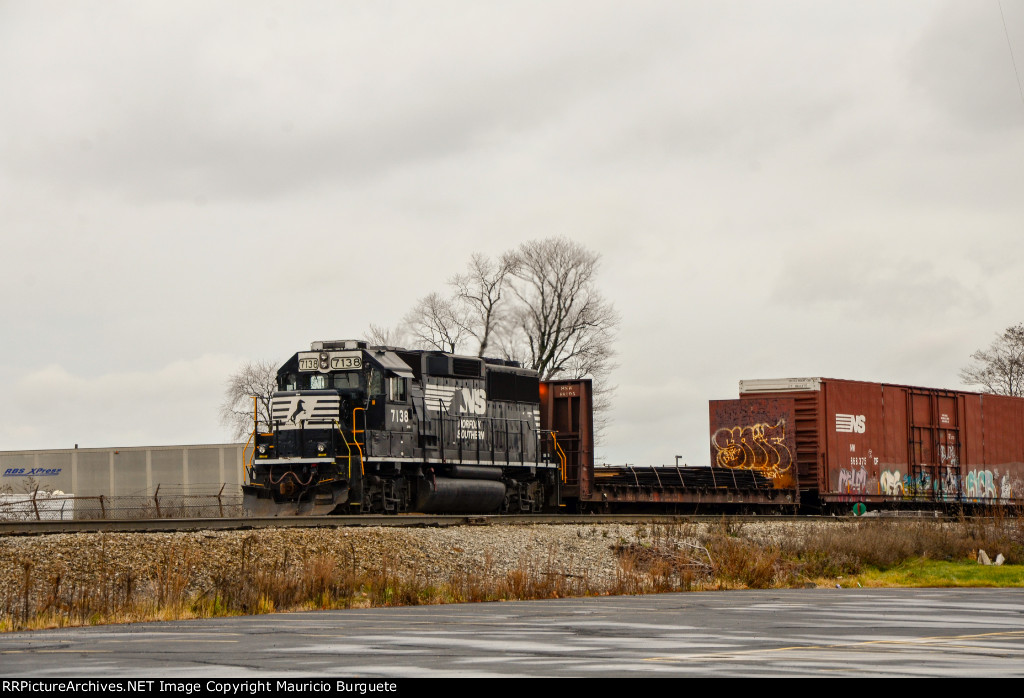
[{"x": 299, "y": 409}]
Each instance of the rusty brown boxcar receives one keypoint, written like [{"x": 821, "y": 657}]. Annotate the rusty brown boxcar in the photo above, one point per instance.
[
  {"x": 566, "y": 410},
  {"x": 841, "y": 442}
]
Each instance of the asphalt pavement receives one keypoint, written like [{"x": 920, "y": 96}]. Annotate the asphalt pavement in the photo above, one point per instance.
[{"x": 798, "y": 632}]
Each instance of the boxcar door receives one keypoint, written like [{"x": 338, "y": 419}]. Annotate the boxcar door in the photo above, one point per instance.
[{"x": 934, "y": 445}]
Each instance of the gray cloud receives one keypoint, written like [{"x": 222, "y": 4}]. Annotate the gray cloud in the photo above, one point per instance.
[
  {"x": 962, "y": 64},
  {"x": 786, "y": 188},
  {"x": 863, "y": 280}
]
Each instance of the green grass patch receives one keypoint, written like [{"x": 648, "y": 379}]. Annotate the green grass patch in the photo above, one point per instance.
[{"x": 941, "y": 573}]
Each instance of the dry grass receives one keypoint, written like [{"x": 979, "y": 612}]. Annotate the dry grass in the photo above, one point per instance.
[
  {"x": 743, "y": 559},
  {"x": 677, "y": 557},
  {"x": 248, "y": 584}
]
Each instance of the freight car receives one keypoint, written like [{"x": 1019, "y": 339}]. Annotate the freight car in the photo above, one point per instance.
[
  {"x": 823, "y": 445},
  {"x": 357, "y": 428},
  {"x": 842, "y": 444}
]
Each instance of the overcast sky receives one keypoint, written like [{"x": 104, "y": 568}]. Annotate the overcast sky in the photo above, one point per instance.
[{"x": 776, "y": 189}]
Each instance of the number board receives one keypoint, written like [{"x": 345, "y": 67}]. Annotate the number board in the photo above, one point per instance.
[
  {"x": 336, "y": 361},
  {"x": 347, "y": 360}
]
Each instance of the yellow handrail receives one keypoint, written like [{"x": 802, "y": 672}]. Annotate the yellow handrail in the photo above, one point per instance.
[
  {"x": 244, "y": 449},
  {"x": 355, "y": 439},
  {"x": 560, "y": 453},
  {"x": 255, "y": 428},
  {"x": 347, "y": 446}
]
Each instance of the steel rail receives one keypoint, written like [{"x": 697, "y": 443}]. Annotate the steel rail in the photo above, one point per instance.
[{"x": 406, "y": 520}]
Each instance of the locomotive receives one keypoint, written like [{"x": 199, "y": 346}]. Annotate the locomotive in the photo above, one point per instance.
[{"x": 356, "y": 428}]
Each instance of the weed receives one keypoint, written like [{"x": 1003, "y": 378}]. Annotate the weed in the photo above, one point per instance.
[{"x": 677, "y": 556}]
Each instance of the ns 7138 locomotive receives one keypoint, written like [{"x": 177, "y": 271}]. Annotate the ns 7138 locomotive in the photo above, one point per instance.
[{"x": 357, "y": 428}]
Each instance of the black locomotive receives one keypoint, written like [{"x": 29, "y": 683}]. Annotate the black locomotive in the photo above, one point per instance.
[{"x": 357, "y": 428}]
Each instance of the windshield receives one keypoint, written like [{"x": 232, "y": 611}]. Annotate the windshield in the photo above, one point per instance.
[
  {"x": 343, "y": 380},
  {"x": 350, "y": 380}
]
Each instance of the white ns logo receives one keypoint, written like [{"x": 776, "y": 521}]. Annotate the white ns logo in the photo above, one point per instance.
[
  {"x": 469, "y": 401},
  {"x": 851, "y": 423}
]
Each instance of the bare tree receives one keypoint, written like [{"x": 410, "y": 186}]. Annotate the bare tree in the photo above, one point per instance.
[
  {"x": 1000, "y": 368},
  {"x": 256, "y": 379},
  {"x": 538, "y": 305},
  {"x": 379, "y": 335},
  {"x": 566, "y": 325},
  {"x": 479, "y": 292},
  {"x": 436, "y": 322}
]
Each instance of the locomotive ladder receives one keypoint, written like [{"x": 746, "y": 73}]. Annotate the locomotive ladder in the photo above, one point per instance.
[{"x": 350, "y": 444}]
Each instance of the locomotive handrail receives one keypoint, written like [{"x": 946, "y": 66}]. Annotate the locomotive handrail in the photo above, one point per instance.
[
  {"x": 252, "y": 437},
  {"x": 344, "y": 440},
  {"x": 440, "y": 430},
  {"x": 355, "y": 439},
  {"x": 453, "y": 440},
  {"x": 522, "y": 443},
  {"x": 479, "y": 431},
  {"x": 491, "y": 436},
  {"x": 246, "y": 468}
]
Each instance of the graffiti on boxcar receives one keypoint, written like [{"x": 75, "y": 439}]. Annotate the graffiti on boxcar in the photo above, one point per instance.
[
  {"x": 923, "y": 483},
  {"x": 853, "y": 481},
  {"x": 981, "y": 484},
  {"x": 890, "y": 482},
  {"x": 985, "y": 484},
  {"x": 978, "y": 484},
  {"x": 948, "y": 456},
  {"x": 757, "y": 447},
  {"x": 917, "y": 484},
  {"x": 949, "y": 483}
]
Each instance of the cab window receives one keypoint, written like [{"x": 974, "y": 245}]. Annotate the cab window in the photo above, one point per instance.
[
  {"x": 396, "y": 389},
  {"x": 375, "y": 382}
]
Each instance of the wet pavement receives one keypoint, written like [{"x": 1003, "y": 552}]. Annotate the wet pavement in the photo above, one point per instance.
[{"x": 799, "y": 632}]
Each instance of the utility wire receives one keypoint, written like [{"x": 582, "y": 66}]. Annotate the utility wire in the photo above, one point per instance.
[{"x": 1010, "y": 45}]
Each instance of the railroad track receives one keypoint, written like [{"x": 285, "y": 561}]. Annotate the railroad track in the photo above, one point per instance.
[{"x": 407, "y": 520}]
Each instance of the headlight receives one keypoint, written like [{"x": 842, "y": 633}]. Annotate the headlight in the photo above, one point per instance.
[
  {"x": 262, "y": 449},
  {"x": 321, "y": 447}
]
